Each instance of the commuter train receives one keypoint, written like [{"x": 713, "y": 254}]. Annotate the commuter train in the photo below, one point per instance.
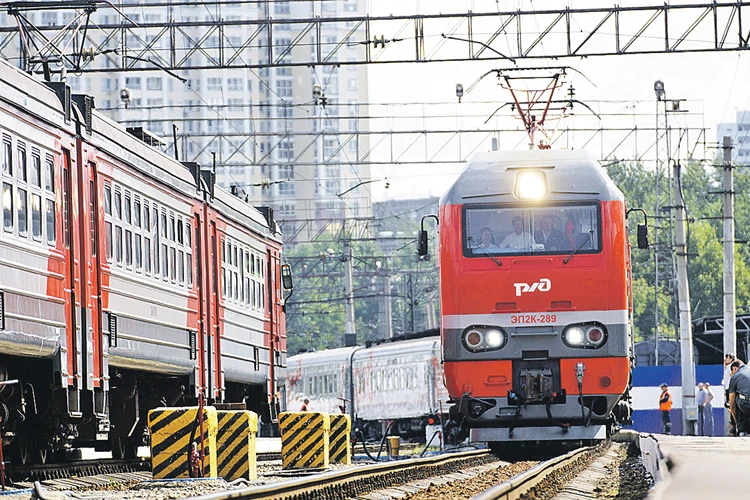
[
  {"x": 400, "y": 381},
  {"x": 128, "y": 281},
  {"x": 535, "y": 298}
]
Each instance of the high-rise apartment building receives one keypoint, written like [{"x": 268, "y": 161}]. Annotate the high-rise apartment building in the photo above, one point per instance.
[
  {"x": 740, "y": 134},
  {"x": 272, "y": 140}
]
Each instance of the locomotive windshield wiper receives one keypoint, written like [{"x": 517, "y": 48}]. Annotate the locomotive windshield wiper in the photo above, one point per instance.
[
  {"x": 583, "y": 243},
  {"x": 471, "y": 240}
]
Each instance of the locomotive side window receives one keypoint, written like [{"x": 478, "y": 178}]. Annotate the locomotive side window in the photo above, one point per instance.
[
  {"x": 549, "y": 229},
  {"x": 49, "y": 188}
]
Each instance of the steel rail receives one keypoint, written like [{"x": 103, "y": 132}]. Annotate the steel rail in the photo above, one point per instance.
[
  {"x": 352, "y": 481},
  {"x": 523, "y": 483}
]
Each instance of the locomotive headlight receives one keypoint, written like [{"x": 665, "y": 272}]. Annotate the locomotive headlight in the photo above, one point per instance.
[
  {"x": 484, "y": 338},
  {"x": 574, "y": 335},
  {"x": 473, "y": 339},
  {"x": 591, "y": 335},
  {"x": 531, "y": 185},
  {"x": 494, "y": 338}
]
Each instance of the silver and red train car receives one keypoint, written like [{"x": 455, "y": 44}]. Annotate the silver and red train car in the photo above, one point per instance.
[
  {"x": 535, "y": 298},
  {"x": 127, "y": 280}
]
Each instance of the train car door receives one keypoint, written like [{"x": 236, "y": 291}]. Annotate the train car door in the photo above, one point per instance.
[
  {"x": 73, "y": 291},
  {"x": 274, "y": 313},
  {"x": 96, "y": 360},
  {"x": 202, "y": 290}
]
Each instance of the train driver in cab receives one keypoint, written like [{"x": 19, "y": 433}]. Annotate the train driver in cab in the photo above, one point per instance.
[
  {"x": 486, "y": 242},
  {"x": 551, "y": 238},
  {"x": 519, "y": 239}
]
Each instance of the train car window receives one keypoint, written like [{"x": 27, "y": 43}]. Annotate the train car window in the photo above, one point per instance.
[
  {"x": 262, "y": 296},
  {"x": 189, "y": 270},
  {"x": 138, "y": 253},
  {"x": 22, "y": 214},
  {"x": 8, "y": 207},
  {"x": 255, "y": 297},
  {"x": 236, "y": 286},
  {"x": 50, "y": 217},
  {"x": 171, "y": 227},
  {"x": 155, "y": 220},
  {"x": 252, "y": 264},
  {"x": 224, "y": 283},
  {"x": 49, "y": 178},
  {"x": 36, "y": 217},
  {"x": 147, "y": 254},
  {"x": 180, "y": 233},
  {"x": 553, "y": 229},
  {"x": 36, "y": 168},
  {"x": 188, "y": 235},
  {"x": 118, "y": 245},
  {"x": 137, "y": 212},
  {"x": 146, "y": 219},
  {"x": 242, "y": 277},
  {"x": 181, "y": 267},
  {"x": 164, "y": 261},
  {"x": 127, "y": 212},
  {"x": 108, "y": 240},
  {"x": 172, "y": 270},
  {"x": 107, "y": 199},
  {"x": 164, "y": 223},
  {"x": 246, "y": 285},
  {"x": 118, "y": 204},
  {"x": 128, "y": 248},
  {"x": 7, "y": 156},
  {"x": 21, "y": 161}
]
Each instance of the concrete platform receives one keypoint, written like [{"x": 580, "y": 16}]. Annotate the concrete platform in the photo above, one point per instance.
[{"x": 697, "y": 467}]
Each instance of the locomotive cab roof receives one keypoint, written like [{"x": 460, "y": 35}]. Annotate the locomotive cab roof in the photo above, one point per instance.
[{"x": 569, "y": 175}]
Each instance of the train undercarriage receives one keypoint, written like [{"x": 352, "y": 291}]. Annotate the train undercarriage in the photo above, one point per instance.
[{"x": 41, "y": 424}]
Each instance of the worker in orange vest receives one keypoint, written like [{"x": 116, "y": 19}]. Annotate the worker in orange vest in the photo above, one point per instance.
[{"x": 665, "y": 404}]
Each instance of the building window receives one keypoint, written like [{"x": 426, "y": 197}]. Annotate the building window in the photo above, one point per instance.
[
  {"x": 284, "y": 88},
  {"x": 281, "y": 8},
  {"x": 133, "y": 82},
  {"x": 154, "y": 83}
]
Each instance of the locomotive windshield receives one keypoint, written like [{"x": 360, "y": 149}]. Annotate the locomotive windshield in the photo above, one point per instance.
[{"x": 554, "y": 229}]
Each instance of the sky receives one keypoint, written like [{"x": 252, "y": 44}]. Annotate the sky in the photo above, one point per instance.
[{"x": 713, "y": 83}]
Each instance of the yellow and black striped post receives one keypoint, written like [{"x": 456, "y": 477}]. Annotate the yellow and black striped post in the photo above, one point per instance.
[
  {"x": 235, "y": 444},
  {"x": 304, "y": 439},
  {"x": 173, "y": 431},
  {"x": 340, "y": 440}
]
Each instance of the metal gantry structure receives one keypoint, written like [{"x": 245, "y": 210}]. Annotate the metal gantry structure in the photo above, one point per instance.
[{"x": 508, "y": 36}]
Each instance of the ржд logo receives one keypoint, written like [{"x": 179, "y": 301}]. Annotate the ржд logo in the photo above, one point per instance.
[{"x": 543, "y": 285}]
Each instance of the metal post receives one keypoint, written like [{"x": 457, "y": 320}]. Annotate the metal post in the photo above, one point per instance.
[
  {"x": 730, "y": 334},
  {"x": 387, "y": 314},
  {"x": 349, "y": 272},
  {"x": 730, "y": 324},
  {"x": 683, "y": 293},
  {"x": 656, "y": 242}
]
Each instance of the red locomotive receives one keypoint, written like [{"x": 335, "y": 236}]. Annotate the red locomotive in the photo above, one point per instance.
[
  {"x": 127, "y": 280},
  {"x": 535, "y": 298}
]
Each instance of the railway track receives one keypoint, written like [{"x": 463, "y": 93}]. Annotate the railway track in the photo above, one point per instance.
[
  {"x": 78, "y": 468},
  {"x": 356, "y": 481}
]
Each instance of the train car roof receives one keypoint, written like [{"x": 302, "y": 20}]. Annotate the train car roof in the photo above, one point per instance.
[
  {"x": 30, "y": 94},
  {"x": 318, "y": 357},
  {"x": 396, "y": 348},
  {"x": 26, "y": 92},
  {"x": 571, "y": 175}
]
